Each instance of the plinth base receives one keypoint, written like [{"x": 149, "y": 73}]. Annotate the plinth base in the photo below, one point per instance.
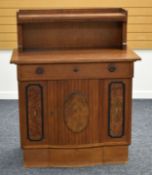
[{"x": 79, "y": 157}]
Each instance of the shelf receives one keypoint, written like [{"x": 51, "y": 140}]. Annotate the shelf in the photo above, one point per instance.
[
  {"x": 73, "y": 56},
  {"x": 71, "y": 14}
]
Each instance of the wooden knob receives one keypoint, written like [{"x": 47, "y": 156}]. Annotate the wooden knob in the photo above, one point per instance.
[
  {"x": 76, "y": 69},
  {"x": 39, "y": 70},
  {"x": 112, "y": 68}
]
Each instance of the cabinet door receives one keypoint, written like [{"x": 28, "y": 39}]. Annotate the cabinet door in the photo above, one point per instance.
[
  {"x": 117, "y": 111},
  {"x": 74, "y": 117},
  {"x": 33, "y": 114}
]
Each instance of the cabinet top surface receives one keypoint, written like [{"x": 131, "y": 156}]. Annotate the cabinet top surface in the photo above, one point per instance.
[
  {"x": 73, "y": 56},
  {"x": 68, "y": 14}
]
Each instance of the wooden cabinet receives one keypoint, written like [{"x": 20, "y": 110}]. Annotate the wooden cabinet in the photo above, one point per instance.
[{"x": 75, "y": 85}]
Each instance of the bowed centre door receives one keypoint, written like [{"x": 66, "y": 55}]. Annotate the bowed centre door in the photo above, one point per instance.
[{"x": 73, "y": 111}]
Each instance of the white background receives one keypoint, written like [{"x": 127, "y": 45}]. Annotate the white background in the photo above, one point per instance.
[{"x": 142, "y": 82}]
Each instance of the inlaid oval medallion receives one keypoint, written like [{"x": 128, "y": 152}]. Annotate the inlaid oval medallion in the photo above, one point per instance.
[{"x": 76, "y": 112}]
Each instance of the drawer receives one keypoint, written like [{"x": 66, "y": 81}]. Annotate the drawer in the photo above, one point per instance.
[{"x": 75, "y": 71}]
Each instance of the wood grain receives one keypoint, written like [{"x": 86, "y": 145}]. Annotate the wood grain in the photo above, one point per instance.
[
  {"x": 116, "y": 109},
  {"x": 126, "y": 137},
  {"x": 78, "y": 35},
  {"x": 59, "y": 133},
  {"x": 137, "y": 33},
  {"x": 75, "y": 157},
  {"x": 83, "y": 28},
  {"x": 75, "y": 104},
  {"x": 31, "y": 104},
  {"x": 67, "y": 71},
  {"x": 78, "y": 56},
  {"x": 76, "y": 112},
  {"x": 34, "y": 112},
  {"x": 36, "y": 157},
  {"x": 115, "y": 155},
  {"x": 139, "y": 14}
]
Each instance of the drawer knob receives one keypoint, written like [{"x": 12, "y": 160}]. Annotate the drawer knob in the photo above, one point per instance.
[
  {"x": 76, "y": 69},
  {"x": 112, "y": 68},
  {"x": 39, "y": 70}
]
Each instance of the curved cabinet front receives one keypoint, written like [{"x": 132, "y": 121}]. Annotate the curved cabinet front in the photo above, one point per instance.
[
  {"x": 75, "y": 122},
  {"x": 74, "y": 112}
]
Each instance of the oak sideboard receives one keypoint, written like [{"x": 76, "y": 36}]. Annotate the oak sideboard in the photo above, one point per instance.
[{"x": 75, "y": 86}]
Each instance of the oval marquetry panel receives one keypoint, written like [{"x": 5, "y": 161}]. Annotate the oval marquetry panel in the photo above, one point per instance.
[
  {"x": 116, "y": 109},
  {"x": 34, "y": 112},
  {"x": 76, "y": 112}
]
